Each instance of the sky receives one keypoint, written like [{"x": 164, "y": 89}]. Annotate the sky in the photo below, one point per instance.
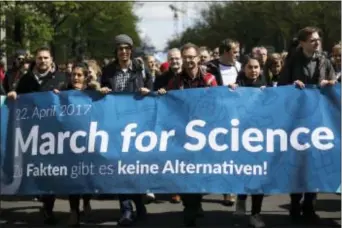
[{"x": 156, "y": 19}]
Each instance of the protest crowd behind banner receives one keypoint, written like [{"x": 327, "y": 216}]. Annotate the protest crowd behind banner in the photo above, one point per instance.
[{"x": 135, "y": 127}]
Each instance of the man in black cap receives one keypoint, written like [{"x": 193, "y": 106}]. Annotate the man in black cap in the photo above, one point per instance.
[{"x": 126, "y": 75}]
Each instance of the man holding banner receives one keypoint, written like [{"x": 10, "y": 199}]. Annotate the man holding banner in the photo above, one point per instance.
[
  {"x": 308, "y": 66},
  {"x": 43, "y": 77},
  {"x": 192, "y": 76},
  {"x": 126, "y": 75}
]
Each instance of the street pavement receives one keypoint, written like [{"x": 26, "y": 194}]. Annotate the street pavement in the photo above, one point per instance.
[{"x": 25, "y": 213}]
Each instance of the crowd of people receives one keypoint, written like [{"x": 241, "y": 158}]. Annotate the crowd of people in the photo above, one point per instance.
[{"x": 188, "y": 67}]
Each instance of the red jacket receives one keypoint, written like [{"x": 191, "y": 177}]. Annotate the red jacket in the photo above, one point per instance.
[
  {"x": 183, "y": 81},
  {"x": 2, "y": 74}
]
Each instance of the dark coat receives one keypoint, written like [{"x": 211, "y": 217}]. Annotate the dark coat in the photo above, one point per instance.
[
  {"x": 294, "y": 69},
  {"x": 243, "y": 81},
  {"x": 137, "y": 79},
  {"x": 2, "y": 90},
  {"x": 30, "y": 84},
  {"x": 213, "y": 67},
  {"x": 162, "y": 80}
]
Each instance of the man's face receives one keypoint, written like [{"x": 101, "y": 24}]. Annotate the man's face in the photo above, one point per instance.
[
  {"x": 20, "y": 60},
  {"x": 175, "y": 60},
  {"x": 255, "y": 52},
  {"x": 43, "y": 60},
  {"x": 262, "y": 55},
  {"x": 69, "y": 68},
  {"x": 312, "y": 43},
  {"x": 190, "y": 58},
  {"x": 233, "y": 53},
  {"x": 204, "y": 56},
  {"x": 124, "y": 52},
  {"x": 216, "y": 53}
]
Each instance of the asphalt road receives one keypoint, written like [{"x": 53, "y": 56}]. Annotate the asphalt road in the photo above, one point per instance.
[{"x": 25, "y": 213}]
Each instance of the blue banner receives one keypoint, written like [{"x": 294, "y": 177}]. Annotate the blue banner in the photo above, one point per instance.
[{"x": 276, "y": 140}]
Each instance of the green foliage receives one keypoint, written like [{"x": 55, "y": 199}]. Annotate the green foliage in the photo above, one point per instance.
[
  {"x": 263, "y": 23},
  {"x": 70, "y": 28}
]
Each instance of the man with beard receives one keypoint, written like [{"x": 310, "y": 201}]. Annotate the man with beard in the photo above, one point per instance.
[
  {"x": 42, "y": 77},
  {"x": 126, "y": 74},
  {"x": 192, "y": 76}
]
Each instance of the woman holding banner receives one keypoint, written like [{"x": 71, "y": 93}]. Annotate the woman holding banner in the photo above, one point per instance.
[
  {"x": 81, "y": 79},
  {"x": 250, "y": 77}
]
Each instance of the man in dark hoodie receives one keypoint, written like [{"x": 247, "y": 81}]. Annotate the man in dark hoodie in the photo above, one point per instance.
[
  {"x": 306, "y": 66},
  {"x": 42, "y": 77},
  {"x": 14, "y": 74},
  {"x": 126, "y": 75}
]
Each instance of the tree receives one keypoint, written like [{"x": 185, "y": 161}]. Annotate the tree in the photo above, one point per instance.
[
  {"x": 71, "y": 29},
  {"x": 263, "y": 23}
]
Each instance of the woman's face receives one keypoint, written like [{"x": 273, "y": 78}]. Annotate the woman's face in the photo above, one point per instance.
[
  {"x": 92, "y": 73},
  {"x": 276, "y": 67},
  {"x": 336, "y": 55},
  {"x": 78, "y": 78},
  {"x": 252, "y": 69}
]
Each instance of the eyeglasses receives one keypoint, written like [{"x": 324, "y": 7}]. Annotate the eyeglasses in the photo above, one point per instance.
[
  {"x": 189, "y": 57},
  {"x": 127, "y": 48}
]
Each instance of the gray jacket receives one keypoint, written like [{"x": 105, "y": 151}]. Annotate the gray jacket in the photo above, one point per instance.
[{"x": 310, "y": 71}]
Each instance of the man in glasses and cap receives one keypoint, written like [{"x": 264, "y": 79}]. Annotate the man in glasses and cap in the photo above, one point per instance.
[{"x": 126, "y": 74}]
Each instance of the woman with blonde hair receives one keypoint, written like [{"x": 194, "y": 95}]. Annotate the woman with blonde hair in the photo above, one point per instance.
[
  {"x": 94, "y": 69},
  {"x": 336, "y": 60},
  {"x": 273, "y": 68}
]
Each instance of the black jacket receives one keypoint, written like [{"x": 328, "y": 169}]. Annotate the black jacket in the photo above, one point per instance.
[
  {"x": 295, "y": 69},
  {"x": 243, "y": 81},
  {"x": 137, "y": 79},
  {"x": 2, "y": 90},
  {"x": 30, "y": 84},
  {"x": 162, "y": 80},
  {"x": 11, "y": 79},
  {"x": 213, "y": 67}
]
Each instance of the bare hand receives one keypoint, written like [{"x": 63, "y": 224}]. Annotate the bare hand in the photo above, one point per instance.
[
  {"x": 162, "y": 91},
  {"x": 12, "y": 95},
  {"x": 56, "y": 91},
  {"x": 105, "y": 90},
  {"x": 233, "y": 86},
  {"x": 144, "y": 91},
  {"x": 299, "y": 83},
  {"x": 324, "y": 83},
  {"x": 262, "y": 87}
]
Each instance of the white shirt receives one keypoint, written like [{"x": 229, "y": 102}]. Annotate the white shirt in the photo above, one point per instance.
[{"x": 229, "y": 73}]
